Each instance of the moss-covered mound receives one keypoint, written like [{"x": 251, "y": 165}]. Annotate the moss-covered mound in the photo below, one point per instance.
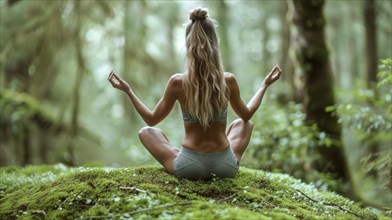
[{"x": 59, "y": 192}]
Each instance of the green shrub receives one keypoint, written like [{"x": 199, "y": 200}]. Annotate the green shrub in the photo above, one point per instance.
[
  {"x": 282, "y": 142},
  {"x": 368, "y": 111}
]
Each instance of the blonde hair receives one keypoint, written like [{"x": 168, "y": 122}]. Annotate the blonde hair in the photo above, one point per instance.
[{"x": 204, "y": 83}]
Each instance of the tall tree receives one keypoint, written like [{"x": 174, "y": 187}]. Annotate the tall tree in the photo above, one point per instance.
[
  {"x": 313, "y": 70},
  {"x": 354, "y": 48},
  {"x": 81, "y": 69},
  {"x": 284, "y": 60},
  {"x": 266, "y": 37},
  {"x": 134, "y": 34},
  {"x": 15, "y": 33},
  {"x": 371, "y": 42},
  {"x": 171, "y": 24},
  {"x": 371, "y": 59},
  {"x": 225, "y": 48}
]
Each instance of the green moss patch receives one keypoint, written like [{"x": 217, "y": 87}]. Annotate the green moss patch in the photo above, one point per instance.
[{"x": 59, "y": 192}]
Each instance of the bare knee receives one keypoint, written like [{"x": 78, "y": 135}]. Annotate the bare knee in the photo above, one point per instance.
[
  {"x": 249, "y": 124},
  {"x": 241, "y": 123},
  {"x": 146, "y": 131}
]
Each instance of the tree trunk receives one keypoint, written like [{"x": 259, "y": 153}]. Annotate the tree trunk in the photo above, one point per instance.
[
  {"x": 371, "y": 62},
  {"x": 44, "y": 147},
  {"x": 223, "y": 35},
  {"x": 315, "y": 76},
  {"x": 371, "y": 42},
  {"x": 265, "y": 52},
  {"x": 81, "y": 68},
  {"x": 26, "y": 146},
  {"x": 354, "y": 45},
  {"x": 170, "y": 26},
  {"x": 3, "y": 151},
  {"x": 284, "y": 61},
  {"x": 132, "y": 31}
]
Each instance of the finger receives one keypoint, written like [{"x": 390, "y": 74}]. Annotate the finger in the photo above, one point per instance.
[
  {"x": 112, "y": 80},
  {"x": 117, "y": 77},
  {"x": 277, "y": 76},
  {"x": 276, "y": 69},
  {"x": 279, "y": 69},
  {"x": 272, "y": 71},
  {"x": 120, "y": 80}
]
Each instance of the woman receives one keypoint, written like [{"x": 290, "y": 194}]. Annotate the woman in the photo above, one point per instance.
[{"x": 204, "y": 92}]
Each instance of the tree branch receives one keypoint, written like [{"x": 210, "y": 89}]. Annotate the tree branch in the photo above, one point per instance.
[{"x": 330, "y": 204}]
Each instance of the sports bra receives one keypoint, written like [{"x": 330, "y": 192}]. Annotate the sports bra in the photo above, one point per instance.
[{"x": 222, "y": 116}]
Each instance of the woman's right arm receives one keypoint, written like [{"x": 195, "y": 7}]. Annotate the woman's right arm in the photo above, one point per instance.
[
  {"x": 163, "y": 107},
  {"x": 245, "y": 112}
]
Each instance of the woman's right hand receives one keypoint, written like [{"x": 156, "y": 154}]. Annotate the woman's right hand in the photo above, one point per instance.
[
  {"x": 117, "y": 82},
  {"x": 273, "y": 76}
]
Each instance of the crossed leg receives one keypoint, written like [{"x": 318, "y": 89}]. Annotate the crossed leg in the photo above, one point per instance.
[
  {"x": 159, "y": 146},
  {"x": 155, "y": 141},
  {"x": 238, "y": 134}
]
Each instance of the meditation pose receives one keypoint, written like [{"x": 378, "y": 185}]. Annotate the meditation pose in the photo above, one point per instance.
[{"x": 204, "y": 92}]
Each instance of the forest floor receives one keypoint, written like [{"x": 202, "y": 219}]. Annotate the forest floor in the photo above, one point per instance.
[{"x": 61, "y": 192}]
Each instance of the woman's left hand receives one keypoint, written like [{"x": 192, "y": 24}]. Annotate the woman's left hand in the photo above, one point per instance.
[
  {"x": 118, "y": 83},
  {"x": 273, "y": 76}
]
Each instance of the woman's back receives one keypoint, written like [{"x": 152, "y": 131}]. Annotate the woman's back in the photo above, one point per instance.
[{"x": 210, "y": 139}]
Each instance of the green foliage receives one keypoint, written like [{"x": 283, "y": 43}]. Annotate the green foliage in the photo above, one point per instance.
[
  {"x": 385, "y": 73},
  {"x": 149, "y": 192},
  {"x": 18, "y": 111},
  {"x": 282, "y": 142},
  {"x": 369, "y": 112}
]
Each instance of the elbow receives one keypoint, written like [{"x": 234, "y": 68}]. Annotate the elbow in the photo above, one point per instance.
[
  {"x": 151, "y": 122},
  {"x": 246, "y": 118},
  {"x": 248, "y": 115}
]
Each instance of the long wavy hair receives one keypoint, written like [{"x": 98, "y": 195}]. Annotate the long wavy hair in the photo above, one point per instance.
[{"x": 204, "y": 83}]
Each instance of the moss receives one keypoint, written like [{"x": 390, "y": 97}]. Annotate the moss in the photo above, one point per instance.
[{"x": 149, "y": 192}]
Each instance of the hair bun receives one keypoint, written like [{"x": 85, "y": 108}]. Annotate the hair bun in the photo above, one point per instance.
[{"x": 198, "y": 14}]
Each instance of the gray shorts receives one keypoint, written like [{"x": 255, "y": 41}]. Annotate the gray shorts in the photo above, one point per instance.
[{"x": 197, "y": 165}]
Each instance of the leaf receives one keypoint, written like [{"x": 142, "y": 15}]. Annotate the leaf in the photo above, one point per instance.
[{"x": 330, "y": 108}]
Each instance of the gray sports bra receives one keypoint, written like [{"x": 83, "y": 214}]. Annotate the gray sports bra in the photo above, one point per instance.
[{"x": 217, "y": 117}]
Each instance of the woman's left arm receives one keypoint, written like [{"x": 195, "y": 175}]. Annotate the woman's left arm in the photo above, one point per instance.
[{"x": 163, "y": 107}]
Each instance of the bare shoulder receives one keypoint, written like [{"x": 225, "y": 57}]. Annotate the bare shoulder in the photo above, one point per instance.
[
  {"x": 230, "y": 78},
  {"x": 175, "y": 82},
  {"x": 176, "y": 77}
]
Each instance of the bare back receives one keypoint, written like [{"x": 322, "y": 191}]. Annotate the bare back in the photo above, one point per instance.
[{"x": 211, "y": 139}]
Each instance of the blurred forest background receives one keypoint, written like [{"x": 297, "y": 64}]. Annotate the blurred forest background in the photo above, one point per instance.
[{"x": 327, "y": 121}]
